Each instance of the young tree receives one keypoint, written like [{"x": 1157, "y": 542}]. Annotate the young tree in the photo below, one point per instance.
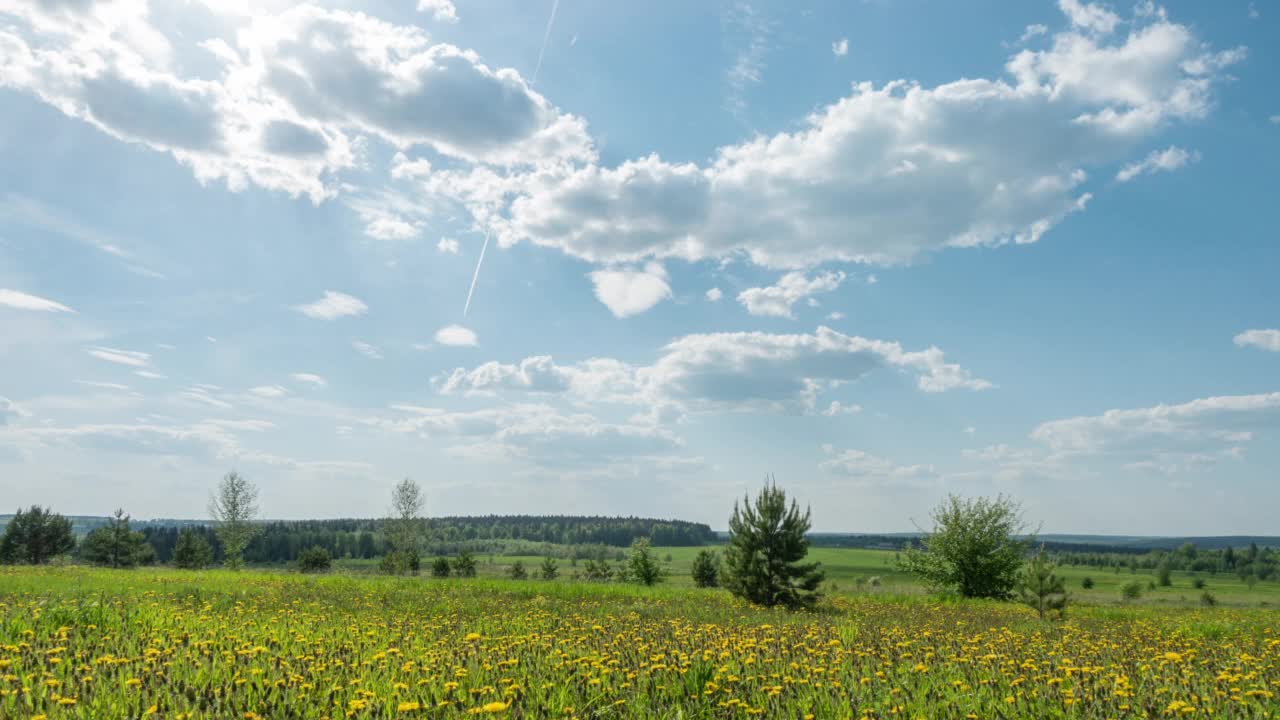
[
  {"x": 440, "y": 567},
  {"x": 234, "y": 506},
  {"x": 404, "y": 529},
  {"x": 1131, "y": 590},
  {"x": 36, "y": 535},
  {"x": 642, "y": 566},
  {"x": 1164, "y": 573},
  {"x": 973, "y": 549},
  {"x": 115, "y": 545},
  {"x": 1040, "y": 588},
  {"x": 706, "y": 569},
  {"x": 192, "y": 551},
  {"x": 550, "y": 568},
  {"x": 464, "y": 566},
  {"x": 517, "y": 571},
  {"x": 314, "y": 559},
  {"x": 766, "y": 546},
  {"x": 1087, "y": 583}
]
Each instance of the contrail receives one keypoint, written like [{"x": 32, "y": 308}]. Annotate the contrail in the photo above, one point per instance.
[
  {"x": 555, "y": 4},
  {"x": 476, "y": 276}
]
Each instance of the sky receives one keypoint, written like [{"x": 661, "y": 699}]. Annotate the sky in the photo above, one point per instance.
[{"x": 629, "y": 258}]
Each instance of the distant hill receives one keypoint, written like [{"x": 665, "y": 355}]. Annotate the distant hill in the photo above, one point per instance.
[{"x": 1059, "y": 541}]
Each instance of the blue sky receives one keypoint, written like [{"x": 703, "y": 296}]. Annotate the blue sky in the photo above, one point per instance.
[{"x": 884, "y": 250}]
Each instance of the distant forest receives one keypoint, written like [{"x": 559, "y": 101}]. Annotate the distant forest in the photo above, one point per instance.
[{"x": 280, "y": 541}]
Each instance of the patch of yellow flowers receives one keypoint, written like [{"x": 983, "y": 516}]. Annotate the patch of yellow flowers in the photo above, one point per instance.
[{"x": 259, "y": 646}]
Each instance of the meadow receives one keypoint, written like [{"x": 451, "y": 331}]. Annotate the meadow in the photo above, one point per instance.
[{"x": 158, "y": 643}]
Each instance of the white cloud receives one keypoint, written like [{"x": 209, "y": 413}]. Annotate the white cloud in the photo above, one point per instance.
[
  {"x": 269, "y": 391},
  {"x": 402, "y": 168},
  {"x": 287, "y": 103},
  {"x": 22, "y": 301},
  {"x": 1090, "y": 16},
  {"x": 1264, "y": 339},
  {"x": 441, "y": 10},
  {"x": 447, "y": 245},
  {"x": 10, "y": 410},
  {"x": 840, "y": 47},
  {"x": 102, "y": 385},
  {"x": 456, "y": 336},
  {"x": 838, "y": 408},
  {"x": 1166, "y": 160},
  {"x": 776, "y": 300},
  {"x": 837, "y": 315},
  {"x": 722, "y": 372},
  {"x": 332, "y": 306},
  {"x": 714, "y": 294},
  {"x": 391, "y": 228},
  {"x": 1210, "y": 422},
  {"x": 631, "y": 292},
  {"x": 132, "y": 358},
  {"x": 868, "y": 469},
  {"x": 1033, "y": 31},
  {"x": 150, "y": 375},
  {"x": 366, "y": 349},
  {"x": 848, "y": 186},
  {"x": 309, "y": 379}
]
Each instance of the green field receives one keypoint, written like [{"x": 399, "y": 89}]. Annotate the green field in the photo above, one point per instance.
[{"x": 845, "y": 567}]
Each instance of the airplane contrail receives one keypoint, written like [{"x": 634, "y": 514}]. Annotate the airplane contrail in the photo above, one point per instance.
[
  {"x": 476, "y": 276},
  {"x": 555, "y": 4}
]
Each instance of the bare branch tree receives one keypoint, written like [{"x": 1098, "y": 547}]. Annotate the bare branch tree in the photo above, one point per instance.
[{"x": 234, "y": 506}]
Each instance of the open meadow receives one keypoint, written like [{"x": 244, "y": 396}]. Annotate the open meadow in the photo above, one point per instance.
[{"x": 157, "y": 643}]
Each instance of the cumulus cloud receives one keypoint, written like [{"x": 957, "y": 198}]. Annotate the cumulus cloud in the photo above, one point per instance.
[
  {"x": 714, "y": 294},
  {"x": 132, "y": 358},
  {"x": 287, "y": 100},
  {"x": 722, "y": 371},
  {"x": 447, "y": 245},
  {"x": 309, "y": 379},
  {"x": 456, "y": 336},
  {"x": 391, "y": 228},
  {"x": 893, "y": 172},
  {"x": 22, "y": 301},
  {"x": 440, "y": 10},
  {"x": 1093, "y": 17},
  {"x": 776, "y": 300},
  {"x": 1213, "y": 422},
  {"x": 333, "y": 306},
  {"x": 1263, "y": 339},
  {"x": 840, "y": 47},
  {"x": 1166, "y": 160},
  {"x": 631, "y": 292}
]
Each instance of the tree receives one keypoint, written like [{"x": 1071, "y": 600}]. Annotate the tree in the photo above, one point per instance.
[
  {"x": 440, "y": 568},
  {"x": 706, "y": 568},
  {"x": 1040, "y": 588},
  {"x": 404, "y": 529},
  {"x": 973, "y": 549},
  {"x": 234, "y": 506},
  {"x": 1164, "y": 573},
  {"x": 115, "y": 545},
  {"x": 517, "y": 571},
  {"x": 642, "y": 566},
  {"x": 1131, "y": 590},
  {"x": 314, "y": 559},
  {"x": 550, "y": 568},
  {"x": 766, "y": 546},
  {"x": 1087, "y": 583},
  {"x": 36, "y": 535},
  {"x": 192, "y": 551},
  {"x": 464, "y": 566}
]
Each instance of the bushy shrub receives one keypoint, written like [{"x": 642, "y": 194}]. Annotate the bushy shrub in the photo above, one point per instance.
[
  {"x": 440, "y": 567},
  {"x": 314, "y": 559},
  {"x": 1087, "y": 583}
]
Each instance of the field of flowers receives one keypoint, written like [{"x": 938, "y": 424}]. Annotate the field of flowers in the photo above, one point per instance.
[{"x": 78, "y": 643}]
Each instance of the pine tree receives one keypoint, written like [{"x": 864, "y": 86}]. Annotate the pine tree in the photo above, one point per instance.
[
  {"x": 35, "y": 536},
  {"x": 642, "y": 567},
  {"x": 706, "y": 569},
  {"x": 115, "y": 544},
  {"x": 192, "y": 551},
  {"x": 550, "y": 569},
  {"x": 464, "y": 566},
  {"x": 766, "y": 546},
  {"x": 1040, "y": 588}
]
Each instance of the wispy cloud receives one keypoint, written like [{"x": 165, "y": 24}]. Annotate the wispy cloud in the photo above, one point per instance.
[
  {"x": 546, "y": 36},
  {"x": 1166, "y": 160},
  {"x": 752, "y": 29},
  {"x": 840, "y": 47},
  {"x": 22, "y": 301},
  {"x": 366, "y": 349},
  {"x": 132, "y": 358}
]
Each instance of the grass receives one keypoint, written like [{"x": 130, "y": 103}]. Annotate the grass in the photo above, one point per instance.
[{"x": 79, "y": 643}]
